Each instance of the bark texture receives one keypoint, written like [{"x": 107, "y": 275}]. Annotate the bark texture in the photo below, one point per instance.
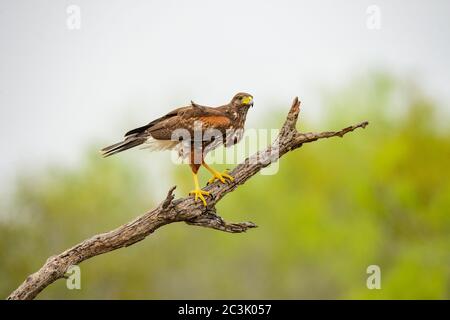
[{"x": 183, "y": 209}]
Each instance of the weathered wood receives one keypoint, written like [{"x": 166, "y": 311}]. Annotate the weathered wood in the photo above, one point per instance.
[{"x": 170, "y": 210}]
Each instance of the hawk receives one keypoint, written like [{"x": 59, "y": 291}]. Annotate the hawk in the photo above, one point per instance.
[{"x": 193, "y": 131}]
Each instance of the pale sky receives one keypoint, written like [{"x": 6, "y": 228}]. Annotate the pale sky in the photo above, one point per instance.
[{"x": 62, "y": 90}]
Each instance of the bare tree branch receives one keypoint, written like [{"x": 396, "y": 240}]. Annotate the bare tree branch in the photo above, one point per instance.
[
  {"x": 210, "y": 219},
  {"x": 170, "y": 210}
]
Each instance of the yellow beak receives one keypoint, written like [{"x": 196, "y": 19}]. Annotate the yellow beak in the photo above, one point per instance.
[{"x": 247, "y": 100}]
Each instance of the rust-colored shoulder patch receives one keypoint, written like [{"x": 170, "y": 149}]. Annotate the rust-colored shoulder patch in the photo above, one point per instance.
[{"x": 215, "y": 121}]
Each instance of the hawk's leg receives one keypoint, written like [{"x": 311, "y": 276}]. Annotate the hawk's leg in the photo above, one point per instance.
[
  {"x": 222, "y": 177},
  {"x": 197, "y": 192}
]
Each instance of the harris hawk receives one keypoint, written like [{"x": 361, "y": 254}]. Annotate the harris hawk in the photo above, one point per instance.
[{"x": 193, "y": 131}]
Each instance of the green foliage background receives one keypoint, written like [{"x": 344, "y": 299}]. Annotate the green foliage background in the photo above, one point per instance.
[{"x": 379, "y": 196}]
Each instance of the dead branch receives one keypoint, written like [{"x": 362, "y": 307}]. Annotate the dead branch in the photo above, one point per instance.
[{"x": 170, "y": 210}]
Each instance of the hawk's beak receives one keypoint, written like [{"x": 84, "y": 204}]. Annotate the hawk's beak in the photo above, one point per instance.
[{"x": 248, "y": 101}]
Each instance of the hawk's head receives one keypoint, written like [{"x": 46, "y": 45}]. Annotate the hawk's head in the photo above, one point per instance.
[{"x": 242, "y": 99}]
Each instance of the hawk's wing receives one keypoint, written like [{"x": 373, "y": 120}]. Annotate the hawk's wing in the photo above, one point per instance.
[
  {"x": 154, "y": 122},
  {"x": 163, "y": 127},
  {"x": 185, "y": 118}
]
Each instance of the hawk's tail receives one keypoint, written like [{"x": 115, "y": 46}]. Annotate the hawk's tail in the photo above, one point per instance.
[{"x": 128, "y": 143}]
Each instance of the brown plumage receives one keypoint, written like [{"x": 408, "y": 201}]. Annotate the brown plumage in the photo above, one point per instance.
[
  {"x": 230, "y": 116},
  {"x": 226, "y": 120}
]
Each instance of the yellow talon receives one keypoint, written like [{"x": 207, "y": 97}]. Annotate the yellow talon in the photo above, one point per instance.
[
  {"x": 227, "y": 176},
  {"x": 198, "y": 194},
  {"x": 222, "y": 177}
]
